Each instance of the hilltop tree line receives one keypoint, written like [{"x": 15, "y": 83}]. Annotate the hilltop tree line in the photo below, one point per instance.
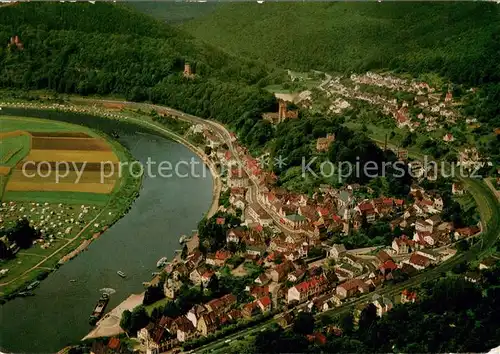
[
  {"x": 459, "y": 41},
  {"x": 108, "y": 49}
]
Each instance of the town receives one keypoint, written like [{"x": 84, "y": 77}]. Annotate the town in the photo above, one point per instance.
[{"x": 278, "y": 245}]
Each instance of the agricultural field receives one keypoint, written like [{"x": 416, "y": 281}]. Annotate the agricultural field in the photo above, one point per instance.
[
  {"x": 43, "y": 145},
  {"x": 65, "y": 213}
]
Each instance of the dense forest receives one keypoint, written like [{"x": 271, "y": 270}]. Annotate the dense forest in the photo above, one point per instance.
[
  {"x": 457, "y": 40},
  {"x": 110, "y": 49}
]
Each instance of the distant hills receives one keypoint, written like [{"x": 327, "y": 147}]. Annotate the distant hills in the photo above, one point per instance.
[
  {"x": 111, "y": 49},
  {"x": 459, "y": 40}
]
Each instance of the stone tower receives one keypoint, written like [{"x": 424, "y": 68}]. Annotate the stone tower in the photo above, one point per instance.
[
  {"x": 187, "y": 70},
  {"x": 282, "y": 111}
]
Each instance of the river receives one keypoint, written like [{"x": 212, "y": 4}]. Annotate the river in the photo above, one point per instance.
[{"x": 167, "y": 207}]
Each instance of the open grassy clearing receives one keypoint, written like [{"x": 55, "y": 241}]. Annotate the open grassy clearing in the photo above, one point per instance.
[
  {"x": 11, "y": 149},
  {"x": 58, "y": 197},
  {"x": 63, "y": 207},
  {"x": 57, "y": 141},
  {"x": 11, "y": 123}
]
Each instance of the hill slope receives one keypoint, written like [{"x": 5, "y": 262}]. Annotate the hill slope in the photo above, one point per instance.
[
  {"x": 111, "y": 49},
  {"x": 457, "y": 40}
]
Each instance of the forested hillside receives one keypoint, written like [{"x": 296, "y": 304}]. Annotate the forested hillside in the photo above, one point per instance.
[
  {"x": 458, "y": 40},
  {"x": 110, "y": 49}
]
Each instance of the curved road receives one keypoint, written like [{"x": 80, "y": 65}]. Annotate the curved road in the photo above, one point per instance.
[{"x": 487, "y": 204}]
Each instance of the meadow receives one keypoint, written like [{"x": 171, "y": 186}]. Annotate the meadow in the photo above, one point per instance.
[
  {"x": 44, "y": 140},
  {"x": 68, "y": 212}
]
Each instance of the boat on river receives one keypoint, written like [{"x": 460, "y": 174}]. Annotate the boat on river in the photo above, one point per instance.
[
  {"x": 121, "y": 274},
  {"x": 33, "y": 285},
  {"x": 99, "y": 309},
  {"x": 26, "y": 293},
  {"x": 161, "y": 262}
]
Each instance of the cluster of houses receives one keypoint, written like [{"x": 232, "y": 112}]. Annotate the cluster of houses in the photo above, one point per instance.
[
  {"x": 200, "y": 320},
  {"x": 432, "y": 109}
]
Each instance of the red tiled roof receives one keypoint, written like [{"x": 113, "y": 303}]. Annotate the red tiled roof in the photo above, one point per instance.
[
  {"x": 222, "y": 255},
  {"x": 220, "y": 221},
  {"x": 259, "y": 291},
  {"x": 208, "y": 274},
  {"x": 250, "y": 306},
  {"x": 258, "y": 228},
  {"x": 404, "y": 240},
  {"x": 420, "y": 260},
  {"x": 227, "y": 155},
  {"x": 352, "y": 284},
  {"x": 383, "y": 256},
  {"x": 304, "y": 286},
  {"x": 389, "y": 265},
  {"x": 322, "y": 211},
  {"x": 265, "y": 301},
  {"x": 365, "y": 206},
  {"x": 238, "y": 190},
  {"x": 410, "y": 295},
  {"x": 317, "y": 337},
  {"x": 114, "y": 343},
  {"x": 388, "y": 201}
]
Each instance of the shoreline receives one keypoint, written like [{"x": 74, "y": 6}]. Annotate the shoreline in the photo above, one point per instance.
[
  {"x": 73, "y": 251},
  {"x": 216, "y": 186}
]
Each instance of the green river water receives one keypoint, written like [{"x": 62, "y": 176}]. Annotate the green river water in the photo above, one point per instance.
[{"x": 167, "y": 207}]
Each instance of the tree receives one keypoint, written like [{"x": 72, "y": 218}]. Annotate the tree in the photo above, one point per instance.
[
  {"x": 22, "y": 234},
  {"x": 138, "y": 319},
  {"x": 367, "y": 317},
  {"x": 126, "y": 321},
  {"x": 184, "y": 252},
  {"x": 213, "y": 285},
  {"x": 4, "y": 251},
  {"x": 346, "y": 322},
  {"x": 304, "y": 323},
  {"x": 153, "y": 294}
]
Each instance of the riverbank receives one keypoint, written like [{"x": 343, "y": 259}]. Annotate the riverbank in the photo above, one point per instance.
[
  {"x": 118, "y": 203},
  {"x": 75, "y": 249},
  {"x": 113, "y": 112},
  {"x": 165, "y": 209}
]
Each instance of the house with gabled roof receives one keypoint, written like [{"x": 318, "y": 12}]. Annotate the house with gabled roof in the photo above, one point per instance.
[
  {"x": 195, "y": 313},
  {"x": 418, "y": 261},
  {"x": 408, "y": 296},
  {"x": 403, "y": 244},
  {"x": 251, "y": 309},
  {"x": 265, "y": 303},
  {"x": 302, "y": 291},
  {"x": 208, "y": 323},
  {"x": 382, "y": 303},
  {"x": 351, "y": 287}
]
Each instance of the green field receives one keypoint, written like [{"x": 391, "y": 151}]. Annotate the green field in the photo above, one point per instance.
[
  {"x": 21, "y": 143},
  {"x": 57, "y": 197},
  {"x": 10, "y": 123},
  {"x": 13, "y": 148},
  {"x": 104, "y": 209}
]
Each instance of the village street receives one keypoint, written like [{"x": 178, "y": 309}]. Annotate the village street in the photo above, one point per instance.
[{"x": 225, "y": 137}]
